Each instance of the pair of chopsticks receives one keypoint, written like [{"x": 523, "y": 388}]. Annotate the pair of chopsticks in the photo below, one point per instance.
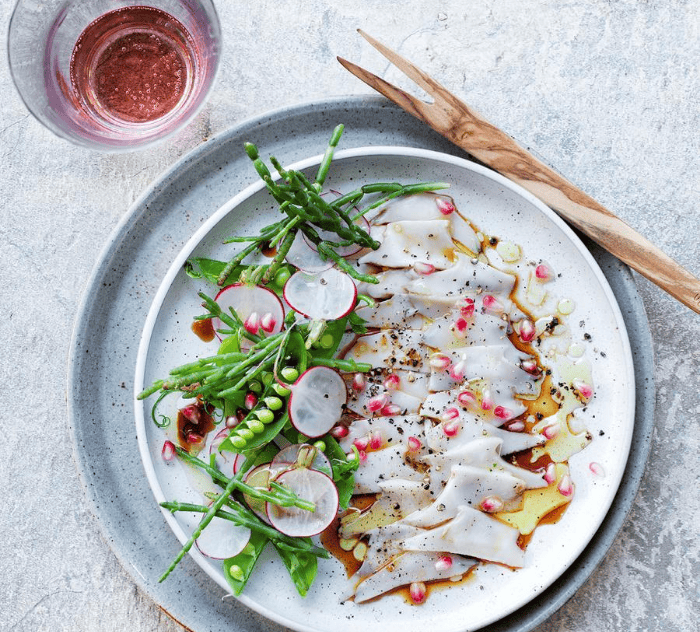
[{"x": 460, "y": 124}]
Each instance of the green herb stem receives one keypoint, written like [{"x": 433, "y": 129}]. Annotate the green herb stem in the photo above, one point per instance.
[{"x": 282, "y": 497}]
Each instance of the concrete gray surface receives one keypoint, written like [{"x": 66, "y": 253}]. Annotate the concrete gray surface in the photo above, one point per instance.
[{"x": 606, "y": 91}]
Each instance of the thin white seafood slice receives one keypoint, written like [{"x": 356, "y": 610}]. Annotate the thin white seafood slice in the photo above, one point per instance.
[
  {"x": 391, "y": 349},
  {"x": 404, "y": 244},
  {"x": 472, "y": 533},
  {"x": 425, "y": 206},
  {"x": 515, "y": 441},
  {"x": 467, "y": 427},
  {"x": 390, "y": 282},
  {"x": 382, "y": 465},
  {"x": 392, "y": 313},
  {"x": 413, "y": 208},
  {"x": 500, "y": 365},
  {"x": 384, "y": 543},
  {"x": 412, "y": 567},
  {"x": 485, "y": 453},
  {"x": 398, "y": 499},
  {"x": 479, "y": 329},
  {"x": 436, "y": 404},
  {"x": 433, "y": 307},
  {"x": 467, "y": 277},
  {"x": 380, "y": 402},
  {"x": 412, "y": 383},
  {"x": 469, "y": 485},
  {"x": 464, "y": 234},
  {"x": 386, "y": 431},
  {"x": 408, "y": 382}
]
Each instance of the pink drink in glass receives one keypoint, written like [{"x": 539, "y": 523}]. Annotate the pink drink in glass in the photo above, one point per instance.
[
  {"x": 110, "y": 75},
  {"x": 133, "y": 65}
]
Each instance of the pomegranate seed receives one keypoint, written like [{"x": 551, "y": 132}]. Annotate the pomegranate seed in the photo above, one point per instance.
[
  {"x": 168, "y": 452},
  {"x": 526, "y": 330},
  {"x": 363, "y": 456},
  {"x": 451, "y": 428},
  {"x": 191, "y": 413},
  {"x": 584, "y": 390},
  {"x": 376, "y": 440},
  {"x": 339, "y": 432},
  {"x": 597, "y": 469},
  {"x": 443, "y": 564},
  {"x": 417, "y": 591},
  {"x": 565, "y": 487},
  {"x": 377, "y": 402},
  {"x": 252, "y": 324},
  {"x": 414, "y": 444},
  {"x": 491, "y": 504},
  {"x": 445, "y": 206},
  {"x": 457, "y": 371},
  {"x": 550, "y": 474},
  {"x": 392, "y": 382},
  {"x": 361, "y": 443},
  {"x": 268, "y": 323},
  {"x": 551, "y": 431},
  {"x": 530, "y": 366},
  {"x": 358, "y": 381},
  {"x": 423, "y": 268},
  {"x": 466, "y": 398},
  {"x": 543, "y": 272},
  {"x": 460, "y": 328},
  {"x": 194, "y": 438},
  {"x": 390, "y": 410},
  {"x": 251, "y": 399},
  {"x": 232, "y": 421},
  {"x": 503, "y": 413},
  {"x": 492, "y": 304},
  {"x": 439, "y": 361},
  {"x": 516, "y": 426},
  {"x": 486, "y": 401},
  {"x": 466, "y": 307},
  {"x": 449, "y": 414}
]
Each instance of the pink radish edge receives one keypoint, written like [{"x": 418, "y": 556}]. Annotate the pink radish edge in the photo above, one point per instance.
[
  {"x": 316, "y": 401},
  {"x": 310, "y": 485},
  {"x": 258, "y": 307}
]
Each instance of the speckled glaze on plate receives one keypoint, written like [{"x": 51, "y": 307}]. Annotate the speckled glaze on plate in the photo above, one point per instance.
[{"x": 104, "y": 348}]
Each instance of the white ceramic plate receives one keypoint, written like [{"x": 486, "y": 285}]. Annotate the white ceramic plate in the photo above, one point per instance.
[{"x": 500, "y": 208}]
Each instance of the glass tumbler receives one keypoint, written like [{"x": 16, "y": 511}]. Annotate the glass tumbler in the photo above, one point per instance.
[{"x": 114, "y": 75}]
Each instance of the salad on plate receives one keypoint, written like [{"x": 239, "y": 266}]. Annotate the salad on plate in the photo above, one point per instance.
[{"x": 388, "y": 384}]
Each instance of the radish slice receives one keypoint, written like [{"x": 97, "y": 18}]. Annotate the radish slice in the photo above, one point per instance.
[
  {"x": 303, "y": 256},
  {"x": 317, "y": 400},
  {"x": 297, "y": 455},
  {"x": 221, "y": 539},
  {"x": 327, "y": 295},
  {"x": 253, "y": 304},
  {"x": 259, "y": 477},
  {"x": 310, "y": 485}
]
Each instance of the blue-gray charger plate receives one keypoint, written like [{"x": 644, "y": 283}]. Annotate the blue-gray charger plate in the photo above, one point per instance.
[{"x": 117, "y": 299}]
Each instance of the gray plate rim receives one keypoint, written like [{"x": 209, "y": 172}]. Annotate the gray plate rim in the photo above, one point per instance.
[{"x": 82, "y": 419}]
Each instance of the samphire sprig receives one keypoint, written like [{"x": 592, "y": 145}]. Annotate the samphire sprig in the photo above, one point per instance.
[
  {"x": 224, "y": 375},
  {"x": 308, "y": 211}
]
